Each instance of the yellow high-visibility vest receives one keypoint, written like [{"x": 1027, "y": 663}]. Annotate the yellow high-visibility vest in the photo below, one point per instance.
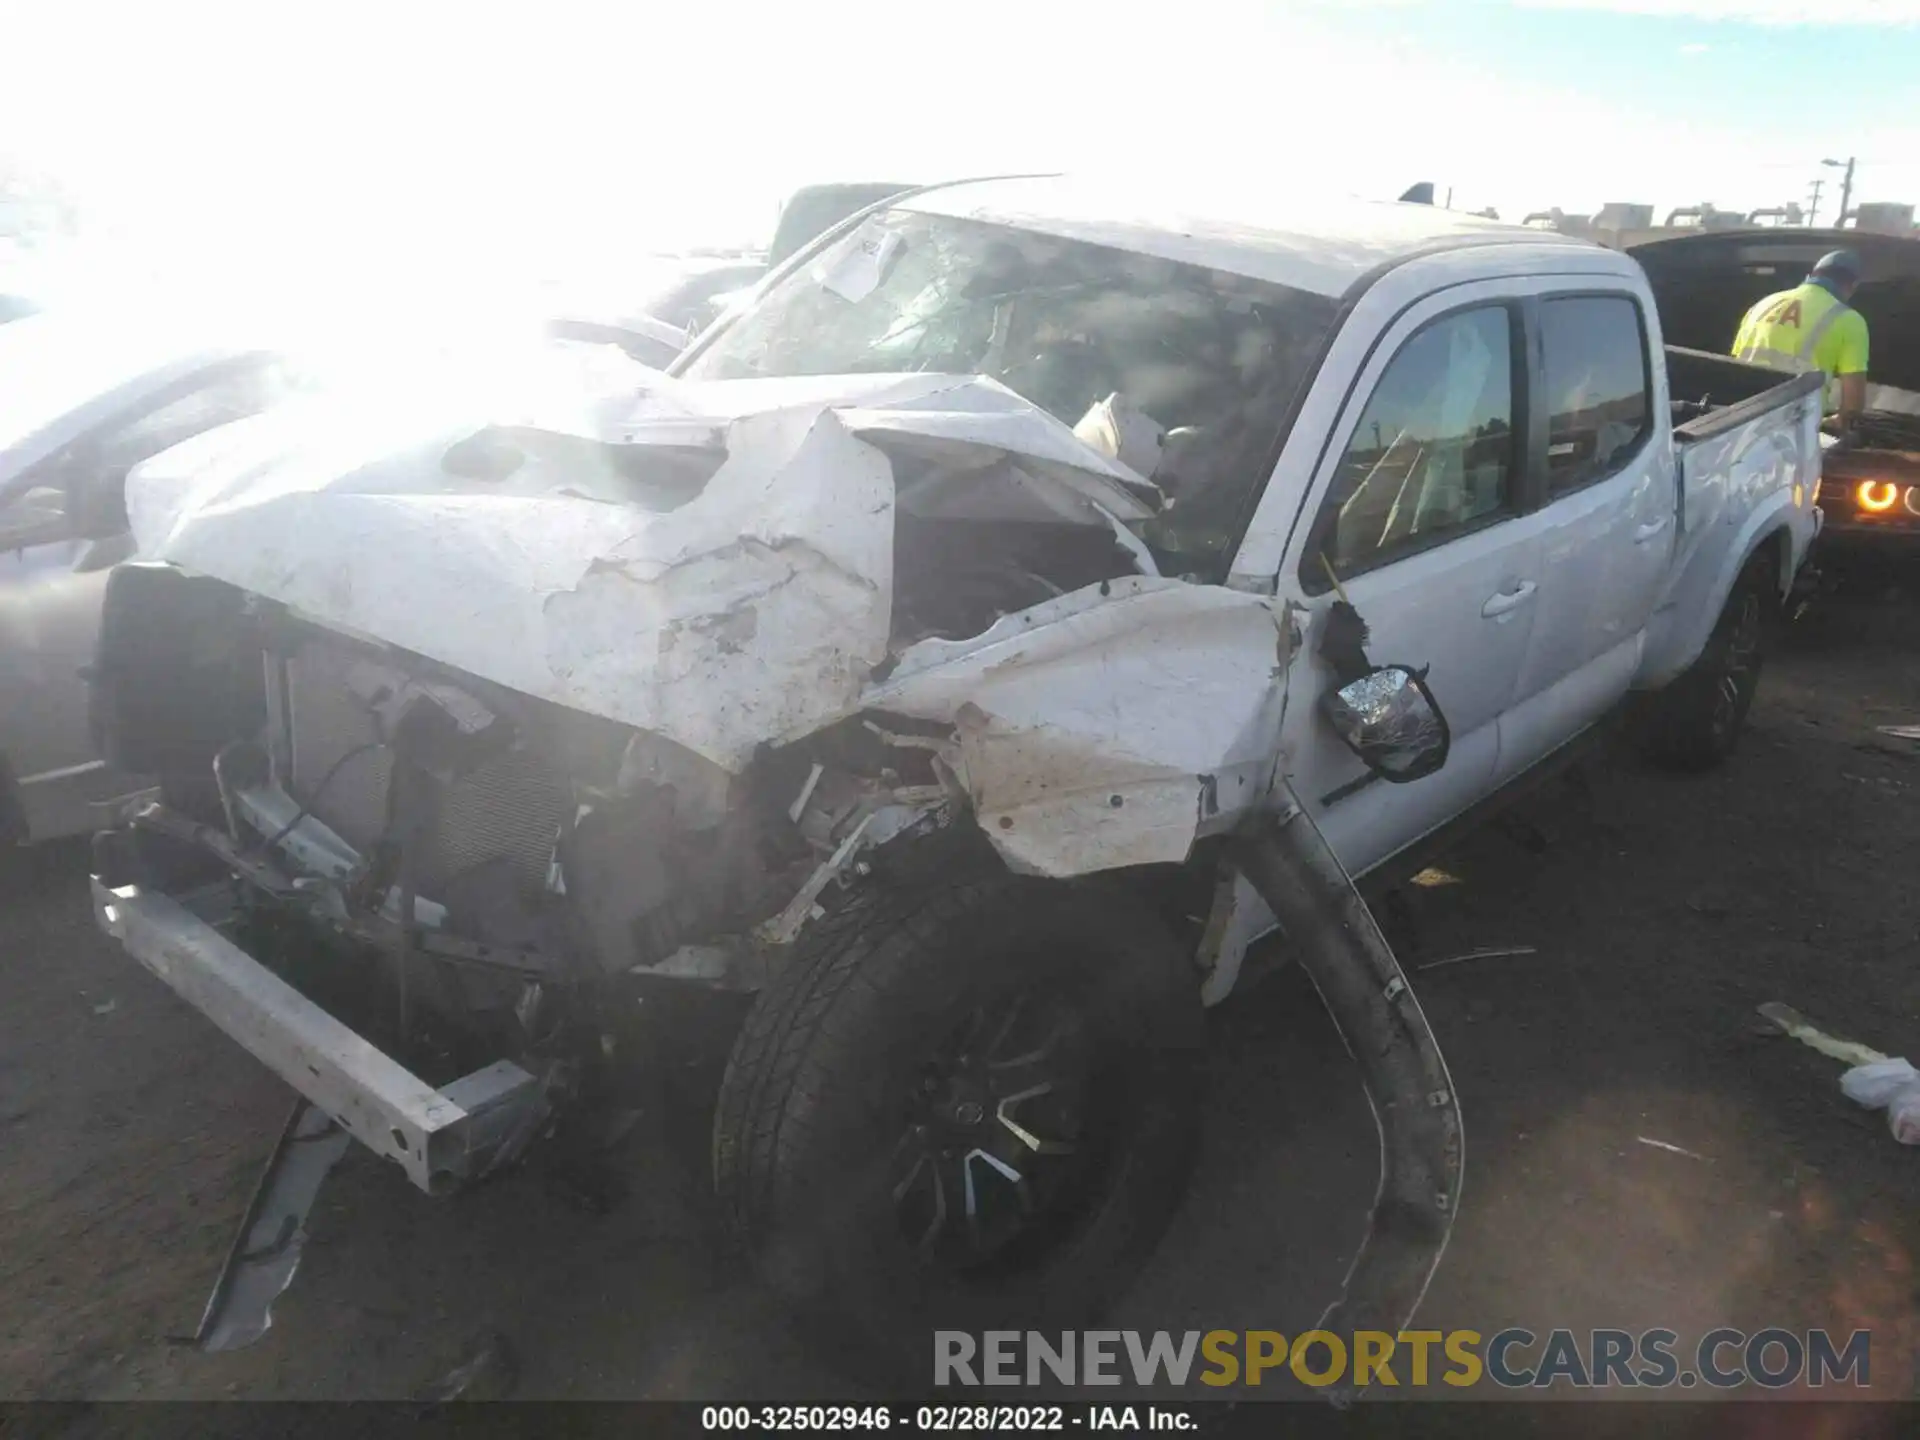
[{"x": 1803, "y": 329}]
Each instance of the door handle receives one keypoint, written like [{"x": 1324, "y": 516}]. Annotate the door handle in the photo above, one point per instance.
[
  {"x": 1508, "y": 599},
  {"x": 1651, "y": 530}
]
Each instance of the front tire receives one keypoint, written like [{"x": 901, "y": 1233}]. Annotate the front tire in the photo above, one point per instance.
[
  {"x": 1695, "y": 723},
  {"x": 966, "y": 1106}
]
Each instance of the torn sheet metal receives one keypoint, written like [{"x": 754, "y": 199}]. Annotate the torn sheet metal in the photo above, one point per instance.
[
  {"x": 1112, "y": 726},
  {"x": 752, "y": 610},
  {"x": 1238, "y": 919},
  {"x": 1415, "y": 1105},
  {"x": 266, "y": 1248},
  {"x": 962, "y": 418}
]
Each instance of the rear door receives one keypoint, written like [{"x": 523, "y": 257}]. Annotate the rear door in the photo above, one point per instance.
[
  {"x": 1608, "y": 512},
  {"x": 1419, "y": 518}
]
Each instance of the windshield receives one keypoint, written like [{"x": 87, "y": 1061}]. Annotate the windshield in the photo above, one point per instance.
[{"x": 1214, "y": 359}]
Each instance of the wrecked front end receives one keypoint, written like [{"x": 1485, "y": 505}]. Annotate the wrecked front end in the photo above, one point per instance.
[
  {"x": 474, "y": 749},
  {"x": 466, "y": 744}
]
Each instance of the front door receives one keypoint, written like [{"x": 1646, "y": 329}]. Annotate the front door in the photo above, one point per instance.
[{"x": 1418, "y": 520}]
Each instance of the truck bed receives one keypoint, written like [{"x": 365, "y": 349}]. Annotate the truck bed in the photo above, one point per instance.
[{"x": 1747, "y": 453}]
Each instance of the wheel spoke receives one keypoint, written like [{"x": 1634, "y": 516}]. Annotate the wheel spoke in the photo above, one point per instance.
[
  {"x": 937, "y": 1221},
  {"x": 1007, "y": 1115},
  {"x": 1006, "y": 1172},
  {"x": 1007, "y": 1022},
  {"x": 972, "y": 1203},
  {"x": 1021, "y": 1074},
  {"x": 1729, "y": 694},
  {"x": 914, "y": 1172}
]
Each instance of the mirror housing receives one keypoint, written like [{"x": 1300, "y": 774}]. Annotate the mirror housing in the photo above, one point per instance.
[{"x": 1389, "y": 718}]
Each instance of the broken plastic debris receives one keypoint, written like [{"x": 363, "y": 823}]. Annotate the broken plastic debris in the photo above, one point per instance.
[
  {"x": 1792, "y": 1022},
  {"x": 1492, "y": 952},
  {"x": 106, "y": 1006},
  {"x": 266, "y": 1249},
  {"x": 1671, "y": 1148},
  {"x": 1122, "y": 431},
  {"x": 855, "y": 270},
  {"x": 1891, "y": 1085},
  {"x": 487, "y": 1371},
  {"x": 1876, "y": 1081}
]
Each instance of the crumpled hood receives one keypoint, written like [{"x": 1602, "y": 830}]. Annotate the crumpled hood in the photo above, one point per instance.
[{"x": 753, "y": 611}]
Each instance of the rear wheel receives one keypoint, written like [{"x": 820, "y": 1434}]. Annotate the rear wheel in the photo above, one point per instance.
[
  {"x": 966, "y": 1108},
  {"x": 1695, "y": 722}
]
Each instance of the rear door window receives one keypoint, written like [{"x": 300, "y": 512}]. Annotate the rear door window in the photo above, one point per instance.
[{"x": 1599, "y": 390}]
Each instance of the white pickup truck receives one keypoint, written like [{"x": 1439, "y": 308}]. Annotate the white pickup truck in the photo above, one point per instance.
[{"x": 921, "y": 669}]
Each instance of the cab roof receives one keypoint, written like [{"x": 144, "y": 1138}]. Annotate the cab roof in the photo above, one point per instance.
[{"x": 1311, "y": 242}]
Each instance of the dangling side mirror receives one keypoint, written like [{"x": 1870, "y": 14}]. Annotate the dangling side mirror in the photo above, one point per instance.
[{"x": 1389, "y": 718}]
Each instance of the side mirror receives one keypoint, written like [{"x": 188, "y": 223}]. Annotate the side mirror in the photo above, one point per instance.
[{"x": 1389, "y": 718}]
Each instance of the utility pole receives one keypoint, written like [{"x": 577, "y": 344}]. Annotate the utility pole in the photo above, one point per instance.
[
  {"x": 1846, "y": 185},
  {"x": 1813, "y": 209}
]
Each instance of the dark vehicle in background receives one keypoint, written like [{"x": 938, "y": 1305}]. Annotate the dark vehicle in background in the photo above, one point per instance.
[
  {"x": 662, "y": 314},
  {"x": 1870, "y": 488},
  {"x": 815, "y": 209}
]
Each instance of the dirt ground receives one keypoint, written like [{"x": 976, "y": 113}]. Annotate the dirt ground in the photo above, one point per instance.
[{"x": 1660, "y": 913}]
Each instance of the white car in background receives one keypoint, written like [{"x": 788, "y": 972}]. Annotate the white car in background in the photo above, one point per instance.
[
  {"x": 85, "y": 399},
  {"x": 82, "y": 400}
]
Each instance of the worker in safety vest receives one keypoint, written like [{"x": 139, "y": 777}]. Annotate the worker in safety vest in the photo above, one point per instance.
[{"x": 1812, "y": 327}]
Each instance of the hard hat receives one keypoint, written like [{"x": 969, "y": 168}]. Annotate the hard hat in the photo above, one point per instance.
[{"x": 1841, "y": 264}]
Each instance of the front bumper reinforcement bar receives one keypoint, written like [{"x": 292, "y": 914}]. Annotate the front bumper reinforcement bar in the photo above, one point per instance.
[{"x": 441, "y": 1137}]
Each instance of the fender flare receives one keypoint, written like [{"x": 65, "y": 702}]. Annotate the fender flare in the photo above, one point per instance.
[
  {"x": 1681, "y": 626},
  {"x": 1415, "y": 1106}
]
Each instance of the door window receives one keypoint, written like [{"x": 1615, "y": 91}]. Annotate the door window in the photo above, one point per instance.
[
  {"x": 1433, "y": 455},
  {"x": 1599, "y": 392}
]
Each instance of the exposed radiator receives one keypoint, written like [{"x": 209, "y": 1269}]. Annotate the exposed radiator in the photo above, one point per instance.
[{"x": 510, "y": 808}]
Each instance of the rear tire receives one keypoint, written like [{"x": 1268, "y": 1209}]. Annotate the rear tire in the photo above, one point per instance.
[
  {"x": 920, "y": 1047},
  {"x": 1695, "y": 723}
]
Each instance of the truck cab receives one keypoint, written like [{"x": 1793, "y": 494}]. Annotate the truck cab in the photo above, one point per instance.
[{"x": 919, "y": 660}]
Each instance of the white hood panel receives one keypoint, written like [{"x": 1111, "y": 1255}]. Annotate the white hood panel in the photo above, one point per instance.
[{"x": 753, "y": 612}]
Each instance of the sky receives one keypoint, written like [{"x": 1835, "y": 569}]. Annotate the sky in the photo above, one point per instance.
[{"x": 413, "y": 142}]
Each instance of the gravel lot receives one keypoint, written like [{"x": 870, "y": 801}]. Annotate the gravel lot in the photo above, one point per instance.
[{"x": 1661, "y": 912}]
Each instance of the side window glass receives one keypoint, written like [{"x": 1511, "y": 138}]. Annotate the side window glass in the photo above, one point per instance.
[
  {"x": 1433, "y": 455},
  {"x": 1599, "y": 394}
]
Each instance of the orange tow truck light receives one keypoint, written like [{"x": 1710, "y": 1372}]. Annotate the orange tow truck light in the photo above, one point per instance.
[{"x": 1877, "y": 496}]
